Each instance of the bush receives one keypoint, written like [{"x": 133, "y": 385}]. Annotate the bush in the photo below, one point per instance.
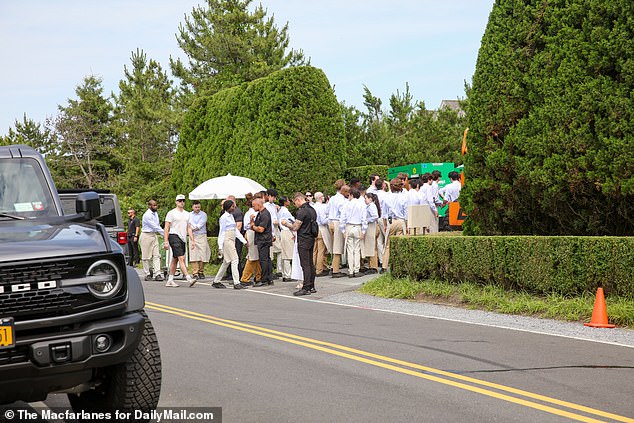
[
  {"x": 283, "y": 131},
  {"x": 551, "y": 141},
  {"x": 540, "y": 265}
]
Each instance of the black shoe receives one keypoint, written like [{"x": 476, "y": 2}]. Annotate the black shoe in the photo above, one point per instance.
[
  {"x": 270, "y": 282},
  {"x": 245, "y": 285},
  {"x": 238, "y": 286},
  {"x": 357, "y": 275},
  {"x": 159, "y": 277},
  {"x": 313, "y": 291},
  {"x": 288, "y": 280},
  {"x": 351, "y": 275},
  {"x": 218, "y": 285},
  {"x": 363, "y": 270},
  {"x": 278, "y": 275},
  {"x": 371, "y": 272},
  {"x": 324, "y": 273},
  {"x": 261, "y": 283},
  {"x": 338, "y": 275},
  {"x": 149, "y": 278},
  {"x": 301, "y": 292},
  {"x": 201, "y": 276}
]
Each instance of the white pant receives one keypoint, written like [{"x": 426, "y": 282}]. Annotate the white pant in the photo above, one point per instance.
[
  {"x": 223, "y": 269},
  {"x": 353, "y": 248}
]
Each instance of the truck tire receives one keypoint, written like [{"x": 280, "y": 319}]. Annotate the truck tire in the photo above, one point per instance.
[{"x": 133, "y": 385}]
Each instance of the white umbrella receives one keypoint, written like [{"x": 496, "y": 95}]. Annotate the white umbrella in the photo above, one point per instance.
[{"x": 221, "y": 187}]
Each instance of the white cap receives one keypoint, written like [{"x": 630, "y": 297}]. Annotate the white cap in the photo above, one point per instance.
[{"x": 180, "y": 197}]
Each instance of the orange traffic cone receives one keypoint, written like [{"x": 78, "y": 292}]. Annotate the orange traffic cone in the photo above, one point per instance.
[{"x": 600, "y": 312}]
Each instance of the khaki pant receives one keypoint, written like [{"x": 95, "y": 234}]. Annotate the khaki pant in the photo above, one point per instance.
[
  {"x": 198, "y": 268},
  {"x": 337, "y": 238},
  {"x": 374, "y": 259},
  {"x": 150, "y": 251},
  {"x": 319, "y": 255},
  {"x": 252, "y": 267},
  {"x": 397, "y": 227}
]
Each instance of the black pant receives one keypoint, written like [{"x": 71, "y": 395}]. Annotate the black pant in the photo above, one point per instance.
[
  {"x": 264, "y": 251},
  {"x": 305, "y": 250},
  {"x": 133, "y": 251}
]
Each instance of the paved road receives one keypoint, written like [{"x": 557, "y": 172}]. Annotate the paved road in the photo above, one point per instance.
[{"x": 265, "y": 356}]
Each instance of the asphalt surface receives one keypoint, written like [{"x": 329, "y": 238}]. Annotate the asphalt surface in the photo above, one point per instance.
[{"x": 266, "y": 356}]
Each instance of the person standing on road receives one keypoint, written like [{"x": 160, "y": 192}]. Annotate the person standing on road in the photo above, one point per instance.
[
  {"x": 306, "y": 227},
  {"x": 262, "y": 226},
  {"x": 334, "y": 214},
  {"x": 238, "y": 217},
  {"x": 323, "y": 243},
  {"x": 175, "y": 237},
  {"x": 287, "y": 239},
  {"x": 134, "y": 227},
  {"x": 354, "y": 224},
  {"x": 202, "y": 253},
  {"x": 227, "y": 236},
  {"x": 252, "y": 266},
  {"x": 151, "y": 227}
]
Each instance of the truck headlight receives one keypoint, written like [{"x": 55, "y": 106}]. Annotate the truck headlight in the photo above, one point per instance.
[{"x": 106, "y": 278}]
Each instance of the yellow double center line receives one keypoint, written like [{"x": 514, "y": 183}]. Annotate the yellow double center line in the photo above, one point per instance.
[{"x": 446, "y": 378}]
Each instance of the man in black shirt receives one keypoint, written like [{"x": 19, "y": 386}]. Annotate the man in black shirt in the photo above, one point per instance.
[
  {"x": 134, "y": 227},
  {"x": 262, "y": 226},
  {"x": 307, "y": 228}
]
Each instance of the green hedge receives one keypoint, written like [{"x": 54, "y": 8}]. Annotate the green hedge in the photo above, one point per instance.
[
  {"x": 284, "y": 131},
  {"x": 541, "y": 265}
]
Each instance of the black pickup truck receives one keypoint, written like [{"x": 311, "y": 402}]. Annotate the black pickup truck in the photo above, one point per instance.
[{"x": 71, "y": 311}]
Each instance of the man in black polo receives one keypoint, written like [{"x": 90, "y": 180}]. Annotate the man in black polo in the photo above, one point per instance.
[
  {"x": 134, "y": 229},
  {"x": 307, "y": 228},
  {"x": 262, "y": 226}
]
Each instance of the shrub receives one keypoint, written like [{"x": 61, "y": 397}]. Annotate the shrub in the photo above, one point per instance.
[{"x": 541, "y": 265}]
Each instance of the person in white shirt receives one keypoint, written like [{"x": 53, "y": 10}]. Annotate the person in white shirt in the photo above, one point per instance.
[
  {"x": 150, "y": 228},
  {"x": 396, "y": 204},
  {"x": 227, "y": 246},
  {"x": 287, "y": 238},
  {"x": 323, "y": 242},
  {"x": 435, "y": 176},
  {"x": 252, "y": 267},
  {"x": 427, "y": 198},
  {"x": 202, "y": 253},
  {"x": 451, "y": 192},
  {"x": 369, "y": 244},
  {"x": 413, "y": 196},
  {"x": 335, "y": 206},
  {"x": 354, "y": 224},
  {"x": 175, "y": 236}
]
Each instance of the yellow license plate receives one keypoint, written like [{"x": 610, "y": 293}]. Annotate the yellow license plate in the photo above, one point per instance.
[{"x": 7, "y": 333}]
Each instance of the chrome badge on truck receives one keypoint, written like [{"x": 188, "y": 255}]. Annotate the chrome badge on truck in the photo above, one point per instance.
[{"x": 24, "y": 287}]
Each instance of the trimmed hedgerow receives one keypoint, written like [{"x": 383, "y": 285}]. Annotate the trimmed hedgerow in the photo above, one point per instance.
[{"x": 540, "y": 265}]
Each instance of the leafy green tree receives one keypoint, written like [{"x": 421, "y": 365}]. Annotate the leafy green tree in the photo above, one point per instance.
[
  {"x": 86, "y": 139},
  {"x": 226, "y": 44},
  {"x": 551, "y": 142},
  {"x": 147, "y": 121}
]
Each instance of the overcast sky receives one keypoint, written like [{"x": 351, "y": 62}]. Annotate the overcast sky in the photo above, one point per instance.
[{"x": 48, "y": 47}]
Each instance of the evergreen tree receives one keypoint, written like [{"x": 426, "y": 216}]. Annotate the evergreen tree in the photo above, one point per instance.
[
  {"x": 86, "y": 139},
  {"x": 226, "y": 44},
  {"x": 147, "y": 122},
  {"x": 551, "y": 141}
]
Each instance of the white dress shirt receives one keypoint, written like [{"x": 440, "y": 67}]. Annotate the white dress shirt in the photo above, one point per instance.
[
  {"x": 227, "y": 222},
  {"x": 354, "y": 212}
]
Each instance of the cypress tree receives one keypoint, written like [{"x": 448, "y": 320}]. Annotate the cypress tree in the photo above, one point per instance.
[{"x": 551, "y": 141}]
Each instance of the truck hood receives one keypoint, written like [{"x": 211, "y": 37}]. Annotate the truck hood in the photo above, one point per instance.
[{"x": 23, "y": 240}]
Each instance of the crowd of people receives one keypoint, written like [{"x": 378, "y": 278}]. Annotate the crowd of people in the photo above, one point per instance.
[{"x": 354, "y": 227}]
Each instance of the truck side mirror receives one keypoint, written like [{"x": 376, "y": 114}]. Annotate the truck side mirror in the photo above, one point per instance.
[{"x": 87, "y": 203}]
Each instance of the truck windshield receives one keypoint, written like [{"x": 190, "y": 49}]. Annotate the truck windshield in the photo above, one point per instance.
[{"x": 24, "y": 191}]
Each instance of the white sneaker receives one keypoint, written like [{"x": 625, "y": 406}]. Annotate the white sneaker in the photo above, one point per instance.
[
  {"x": 172, "y": 284},
  {"x": 192, "y": 281}
]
